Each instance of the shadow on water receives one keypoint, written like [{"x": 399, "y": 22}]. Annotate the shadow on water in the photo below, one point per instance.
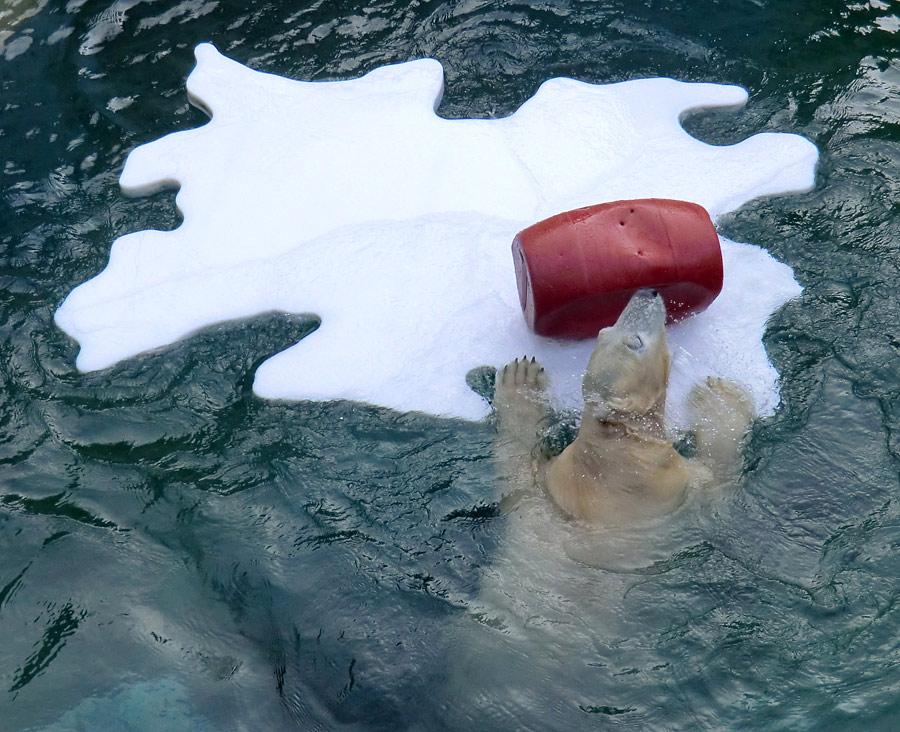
[{"x": 178, "y": 554}]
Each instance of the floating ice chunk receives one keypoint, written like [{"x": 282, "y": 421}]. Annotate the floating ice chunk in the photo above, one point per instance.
[{"x": 355, "y": 201}]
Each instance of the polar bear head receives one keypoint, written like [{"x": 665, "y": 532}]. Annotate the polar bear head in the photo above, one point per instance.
[{"x": 628, "y": 372}]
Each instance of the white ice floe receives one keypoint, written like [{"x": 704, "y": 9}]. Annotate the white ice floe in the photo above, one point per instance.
[{"x": 355, "y": 201}]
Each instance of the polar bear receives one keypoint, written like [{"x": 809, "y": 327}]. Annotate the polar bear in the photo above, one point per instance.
[
  {"x": 622, "y": 466},
  {"x": 556, "y": 586}
]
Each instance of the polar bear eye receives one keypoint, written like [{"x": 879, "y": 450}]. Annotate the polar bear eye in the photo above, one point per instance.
[{"x": 635, "y": 342}]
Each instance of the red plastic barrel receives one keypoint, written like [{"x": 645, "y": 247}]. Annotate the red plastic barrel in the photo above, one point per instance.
[{"x": 577, "y": 270}]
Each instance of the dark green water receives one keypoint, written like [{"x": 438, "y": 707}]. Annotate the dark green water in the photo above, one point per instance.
[{"x": 176, "y": 554}]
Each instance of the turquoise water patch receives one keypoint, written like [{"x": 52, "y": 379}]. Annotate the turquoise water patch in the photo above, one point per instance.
[
  {"x": 176, "y": 548},
  {"x": 144, "y": 707}
]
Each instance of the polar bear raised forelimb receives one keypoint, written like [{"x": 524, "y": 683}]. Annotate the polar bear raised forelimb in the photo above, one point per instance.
[{"x": 522, "y": 410}]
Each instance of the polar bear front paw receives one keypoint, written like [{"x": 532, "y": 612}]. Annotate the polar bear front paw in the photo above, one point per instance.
[
  {"x": 521, "y": 377},
  {"x": 722, "y": 412},
  {"x": 519, "y": 394}
]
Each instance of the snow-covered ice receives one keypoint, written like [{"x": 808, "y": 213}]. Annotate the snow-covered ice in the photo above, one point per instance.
[{"x": 355, "y": 201}]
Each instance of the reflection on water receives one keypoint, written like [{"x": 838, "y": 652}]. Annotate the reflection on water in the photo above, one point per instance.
[
  {"x": 14, "y": 13},
  {"x": 178, "y": 554}
]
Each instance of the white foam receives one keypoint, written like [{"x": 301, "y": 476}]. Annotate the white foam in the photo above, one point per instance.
[{"x": 355, "y": 201}]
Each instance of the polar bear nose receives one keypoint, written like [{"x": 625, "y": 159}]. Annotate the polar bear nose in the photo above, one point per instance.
[{"x": 647, "y": 292}]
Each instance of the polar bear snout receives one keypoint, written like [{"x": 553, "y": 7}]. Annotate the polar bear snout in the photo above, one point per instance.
[
  {"x": 646, "y": 292},
  {"x": 645, "y": 313}
]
